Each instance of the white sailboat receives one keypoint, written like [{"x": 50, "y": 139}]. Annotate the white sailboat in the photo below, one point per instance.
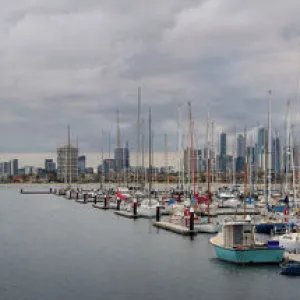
[{"x": 147, "y": 209}]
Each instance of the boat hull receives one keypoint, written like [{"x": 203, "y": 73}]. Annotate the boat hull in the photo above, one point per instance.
[
  {"x": 249, "y": 256},
  {"x": 206, "y": 228}
]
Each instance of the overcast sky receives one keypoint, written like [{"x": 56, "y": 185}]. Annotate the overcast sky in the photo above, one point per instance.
[{"x": 76, "y": 62}]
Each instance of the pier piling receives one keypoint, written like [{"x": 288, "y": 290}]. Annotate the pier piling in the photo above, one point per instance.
[
  {"x": 135, "y": 207},
  {"x": 118, "y": 204},
  {"x": 157, "y": 213},
  {"x": 95, "y": 199},
  {"x": 85, "y": 198},
  {"x": 192, "y": 219}
]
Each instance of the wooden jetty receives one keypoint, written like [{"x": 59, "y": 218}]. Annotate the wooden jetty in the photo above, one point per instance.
[
  {"x": 100, "y": 207},
  {"x": 175, "y": 228},
  {"x": 36, "y": 192},
  {"x": 126, "y": 214}
]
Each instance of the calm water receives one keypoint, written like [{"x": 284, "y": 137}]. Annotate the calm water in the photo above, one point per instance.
[{"x": 53, "y": 248}]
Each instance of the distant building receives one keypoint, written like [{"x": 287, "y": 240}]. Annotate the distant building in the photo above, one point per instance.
[
  {"x": 81, "y": 164},
  {"x": 67, "y": 163},
  {"x": 276, "y": 155},
  {"x": 89, "y": 171},
  {"x": 14, "y": 166},
  {"x": 188, "y": 160},
  {"x": 29, "y": 170},
  {"x": 240, "y": 148},
  {"x": 108, "y": 165},
  {"x": 50, "y": 165},
  {"x": 223, "y": 144},
  {"x": 122, "y": 159}
]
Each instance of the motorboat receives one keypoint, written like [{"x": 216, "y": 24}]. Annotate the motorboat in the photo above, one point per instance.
[{"x": 236, "y": 244}]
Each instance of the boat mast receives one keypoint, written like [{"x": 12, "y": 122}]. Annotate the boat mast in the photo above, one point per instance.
[
  {"x": 143, "y": 153},
  {"x": 118, "y": 156},
  {"x": 138, "y": 138},
  {"x": 245, "y": 172},
  {"x": 109, "y": 159},
  {"x": 179, "y": 143},
  {"x": 192, "y": 152},
  {"x": 213, "y": 166},
  {"x": 293, "y": 163},
  {"x": 166, "y": 163},
  {"x": 69, "y": 156},
  {"x": 208, "y": 165},
  {"x": 288, "y": 149},
  {"x": 150, "y": 157},
  {"x": 269, "y": 149},
  {"x": 233, "y": 158},
  {"x": 102, "y": 161}
]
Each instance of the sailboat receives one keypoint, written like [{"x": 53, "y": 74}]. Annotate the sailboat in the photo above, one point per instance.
[
  {"x": 147, "y": 209},
  {"x": 205, "y": 227}
]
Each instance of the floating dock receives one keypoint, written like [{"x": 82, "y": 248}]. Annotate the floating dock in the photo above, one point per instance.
[
  {"x": 35, "y": 192},
  {"x": 126, "y": 214},
  {"x": 100, "y": 207},
  {"x": 175, "y": 228}
]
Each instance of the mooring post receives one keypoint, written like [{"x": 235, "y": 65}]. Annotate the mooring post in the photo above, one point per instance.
[
  {"x": 95, "y": 199},
  {"x": 134, "y": 207},
  {"x": 157, "y": 213},
  {"x": 85, "y": 196},
  {"x": 118, "y": 204},
  {"x": 105, "y": 201},
  {"x": 191, "y": 219},
  {"x": 70, "y": 195},
  {"x": 50, "y": 190}
]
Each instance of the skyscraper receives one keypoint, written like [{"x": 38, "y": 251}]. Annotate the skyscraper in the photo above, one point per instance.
[
  {"x": 67, "y": 163},
  {"x": 81, "y": 164},
  {"x": 188, "y": 160},
  {"x": 240, "y": 148},
  {"x": 49, "y": 165},
  {"x": 276, "y": 154},
  {"x": 222, "y": 157},
  {"x": 261, "y": 139},
  {"x": 223, "y": 144},
  {"x": 122, "y": 159},
  {"x": 14, "y": 166}
]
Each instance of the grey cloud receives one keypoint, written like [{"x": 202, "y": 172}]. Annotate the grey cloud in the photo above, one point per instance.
[{"x": 77, "y": 62}]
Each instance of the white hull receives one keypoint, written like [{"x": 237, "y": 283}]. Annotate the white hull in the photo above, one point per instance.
[
  {"x": 206, "y": 228},
  {"x": 290, "y": 242},
  {"x": 231, "y": 203}
]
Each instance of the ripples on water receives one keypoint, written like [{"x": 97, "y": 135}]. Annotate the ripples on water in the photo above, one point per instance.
[{"x": 53, "y": 248}]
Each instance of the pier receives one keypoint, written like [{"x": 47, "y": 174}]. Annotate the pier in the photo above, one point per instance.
[
  {"x": 126, "y": 214},
  {"x": 30, "y": 192},
  {"x": 175, "y": 228}
]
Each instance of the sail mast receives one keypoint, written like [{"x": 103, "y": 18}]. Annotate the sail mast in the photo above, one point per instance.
[
  {"x": 150, "y": 157},
  {"x": 69, "y": 156},
  {"x": 269, "y": 149},
  {"x": 138, "y": 137}
]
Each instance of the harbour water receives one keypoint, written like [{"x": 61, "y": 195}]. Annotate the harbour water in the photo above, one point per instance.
[{"x": 53, "y": 248}]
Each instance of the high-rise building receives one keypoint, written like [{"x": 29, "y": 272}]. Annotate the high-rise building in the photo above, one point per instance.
[
  {"x": 122, "y": 159},
  {"x": 188, "y": 160},
  {"x": 14, "y": 166},
  {"x": 50, "y": 165},
  {"x": 240, "y": 146},
  {"x": 222, "y": 156},
  {"x": 261, "y": 139},
  {"x": 108, "y": 166},
  {"x": 81, "y": 164},
  {"x": 67, "y": 163},
  {"x": 276, "y": 155},
  {"x": 223, "y": 144}
]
